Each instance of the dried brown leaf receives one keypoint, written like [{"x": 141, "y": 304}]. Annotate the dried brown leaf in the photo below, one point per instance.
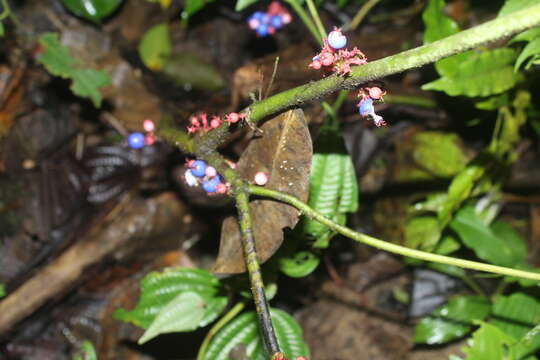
[{"x": 284, "y": 152}]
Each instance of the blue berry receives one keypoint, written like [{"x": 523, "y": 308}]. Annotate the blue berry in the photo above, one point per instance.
[
  {"x": 210, "y": 186},
  {"x": 262, "y": 30},
  {"x": 258, "y": 15},
  {"x": 337, "y": 40},
  {"x": 366, "y": 107},
  {"x": 276, "y": 21},
  {"x": 198, "y": 168},
  {"x": 135, "y": 140}
]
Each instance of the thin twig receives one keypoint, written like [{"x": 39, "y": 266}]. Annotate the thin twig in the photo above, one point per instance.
[
  {"x": 383, "y": 245},
  {"x": 254, "y": 271},
  {"x": 276, "y": 63}
]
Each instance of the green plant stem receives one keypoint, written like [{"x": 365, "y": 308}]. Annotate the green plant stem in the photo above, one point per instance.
[
  {"x": 383, "y": 245},
  {"x": 473, "y": 285},
  {"x": 410, "y": 100},
  {"x": 306, "y": 20},
  {"x": 340, "y": 99},
  {"x": 361, "y": 14},
  {"x": 252, "y": 264},
  {"x": 316, "y": 18},
  {"x": 490, "y": 31},
  {"x": 235, "y": 310},
  {"x": 6, "y": 10}
]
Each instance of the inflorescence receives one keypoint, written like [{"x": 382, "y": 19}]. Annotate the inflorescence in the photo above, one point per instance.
[
  {"x": 199, "y": 173},
  {"x": 335, "y": 58},
  {"x": 266, "y": 23},
  {"x": 365, "y": 106},
  {"x": 201, "y": 123},
  {"x": 138, "y": 140}
]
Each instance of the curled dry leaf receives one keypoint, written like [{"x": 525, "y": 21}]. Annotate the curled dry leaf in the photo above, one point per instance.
[{"x": 283, "y": 152}]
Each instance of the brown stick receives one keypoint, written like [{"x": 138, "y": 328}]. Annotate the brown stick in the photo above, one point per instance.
[{"x": 131, "y": 219}]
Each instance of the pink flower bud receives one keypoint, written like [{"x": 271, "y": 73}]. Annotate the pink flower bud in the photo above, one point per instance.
[
  {"x": 148, "y": 125},
  {"x": 327, "y": 59},
  {"x": 253, "y": 24},
  {"x": 194, "y": 121},
  {"x": 149, "y": 139},
  {"x": 375, "y": 92},
  {"x": 210, "y": 171},
  {"x": 286, "y": 18},
  {"x": 261, "y": 178},
  {"x": 232, "y": 118},
  {"x": 316, "y": 64},
  {"x": 221, "y": 188},
  {"x": 216, "y": 121}
]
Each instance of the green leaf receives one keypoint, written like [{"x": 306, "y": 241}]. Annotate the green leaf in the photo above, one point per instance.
[
  {"x": 300, "y": 264},
  {"x": 532, "y": 49},
  {"x": 244, "y": 330},
  {"x": 528, "y": 35},
  {"x": 451, "y": 321},
  {"x": 516, "y": 315},
  {"x": 183, "y": 313},
  {"x": 155, "y": 47},
  {"x": 158, "y": 289},
  {"x": 86, "y": 83},
  {"x": 494, "y": 102},
  {"x": 56, "y": 57},
  {"x": 447, "y": 245},
  {"x": 93, "y": 10},
  {"x": 58, "y": 62},
  {"x": 333, "y": 187},
  {"x": 87, "y": 352},
  {"x": 498, "y": 244},
  {"x": 487, "y": 73},
  {"x": 439, "y": 153},
  {"x": 511, "y": 6},
  {"x": 2, "y": 29},
  {"x": 489, "y": 343},
  {"x": 242, "y": 4},
  {"x": 192, "y": 7},
  {"x": 422, "y": 232},
  {"x": 191, "y": 71},
  {"x": 2, "y": 290},
  {"x": 459, "y": 190},
  {"x": 439, "y": 26}
]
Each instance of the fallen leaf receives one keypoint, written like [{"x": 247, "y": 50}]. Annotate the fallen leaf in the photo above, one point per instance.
[{"x": 284, "y": 152}]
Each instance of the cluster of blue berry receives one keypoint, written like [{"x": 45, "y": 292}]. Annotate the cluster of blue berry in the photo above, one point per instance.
[
  {"x": 266, "y": 23},
  {"x": 199, "y": 173},
  {"x": 137, "y": 140}
]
